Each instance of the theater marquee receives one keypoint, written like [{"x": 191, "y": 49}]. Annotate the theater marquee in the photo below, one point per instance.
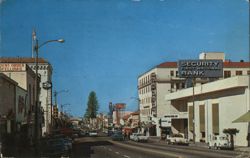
[{"x": 200, "y": 68}]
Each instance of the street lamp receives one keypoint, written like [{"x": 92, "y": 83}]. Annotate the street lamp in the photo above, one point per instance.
[
  {"x": 58, "y": 92},
  {"x": 36, "y": 49}
]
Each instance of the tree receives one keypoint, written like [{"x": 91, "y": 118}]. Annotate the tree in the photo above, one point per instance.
[
  {"x": 92, "y": 106},
  {"x": 231, "y": 132}
]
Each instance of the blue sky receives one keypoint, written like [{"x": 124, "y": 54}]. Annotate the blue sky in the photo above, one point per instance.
[{"x": 109, "y": 43}]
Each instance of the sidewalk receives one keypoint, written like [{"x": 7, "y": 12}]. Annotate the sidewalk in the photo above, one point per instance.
[{"x": 156, "y": 139}]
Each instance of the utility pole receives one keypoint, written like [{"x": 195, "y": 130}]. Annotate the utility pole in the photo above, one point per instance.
[{"x": 193, "y": 111}]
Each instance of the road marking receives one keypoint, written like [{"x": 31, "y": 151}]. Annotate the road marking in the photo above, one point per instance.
[
  {"x": 117, "y": 153},
  {"x": 152, "y": 151},
  {"x": 126, "y": 156}
]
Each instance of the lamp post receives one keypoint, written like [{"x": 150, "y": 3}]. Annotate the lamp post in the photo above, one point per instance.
[
  {"x": 55, "y": 97},
  {"x": 62, "y": 105},
  {"x": 58, "y": 92},
  {"x": 36, "y": 49}
]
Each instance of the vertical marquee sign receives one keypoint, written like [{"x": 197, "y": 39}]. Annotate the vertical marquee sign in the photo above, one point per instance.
[{"x": 200, "y": 68}]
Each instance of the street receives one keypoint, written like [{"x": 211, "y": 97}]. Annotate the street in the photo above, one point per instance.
[{"x": 96, "y": 147}]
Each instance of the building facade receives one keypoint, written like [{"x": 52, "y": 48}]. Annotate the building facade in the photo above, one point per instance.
[
  {"x": 45, "y": 74},
  {"x": 155, "y": 84},
  {"x": 213, "y": 107},
  {"x": 152, "y": 88}
]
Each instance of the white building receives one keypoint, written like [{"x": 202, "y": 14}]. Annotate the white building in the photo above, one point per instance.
[
  {"x": 152, "y": 88},
  {"x": 45, "y": 72},
  {"x": 163, "y": 79},
  {"x": 216, "y": 105}
]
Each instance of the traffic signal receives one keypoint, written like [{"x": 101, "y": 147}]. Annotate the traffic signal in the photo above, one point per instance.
[{"x": 55, "y": 111}]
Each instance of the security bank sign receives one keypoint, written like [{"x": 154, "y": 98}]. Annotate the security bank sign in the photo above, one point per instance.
[{"x": 200, "y": 68}]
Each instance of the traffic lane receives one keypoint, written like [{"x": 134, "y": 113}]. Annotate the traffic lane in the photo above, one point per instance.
[
  {"x": 115, "y": 151},
  {"x": 95, "y": 147},
  {"x": 84, "y": 147},
  {"x": 183, "y": 152},
  {"x": 138, "y": 151}
]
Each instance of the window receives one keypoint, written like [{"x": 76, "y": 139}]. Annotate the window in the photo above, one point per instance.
[
  {"x": 227, "y": 74},
  {"x": 215, "y": 118},
  {"x": 171, "y": 73},
  {"x": 177, "y": 74},
  {"x": 248, "y": 72},
  {"x": 183, "y": 85},
  {"x": 202, "y": 118},
  {"x": 238, "y": 73},
  {"x": 177, "y": 86}
]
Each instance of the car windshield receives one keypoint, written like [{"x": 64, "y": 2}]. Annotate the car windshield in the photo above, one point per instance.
[{"x": 178, "y": 135}]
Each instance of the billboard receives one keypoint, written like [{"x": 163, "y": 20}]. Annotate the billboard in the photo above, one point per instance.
[
  {"x": 120, "y": 106},
  {"x": 200, "y": 68}
]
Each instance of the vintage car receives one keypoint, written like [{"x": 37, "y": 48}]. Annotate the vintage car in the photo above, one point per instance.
[
  {"x": 219, "y": 142},
  {"x": 138, "y": 137},
  {"x": 117, "y": 136},
  {"x": 176, "y": 139}
]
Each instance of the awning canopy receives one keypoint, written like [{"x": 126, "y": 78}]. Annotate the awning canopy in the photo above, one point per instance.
[{"x": 243, "y": 118}]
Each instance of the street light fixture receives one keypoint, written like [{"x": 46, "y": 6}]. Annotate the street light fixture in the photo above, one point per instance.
[
  {"x": 36, "y": 49},
  {"x": 58, "y": 92}
]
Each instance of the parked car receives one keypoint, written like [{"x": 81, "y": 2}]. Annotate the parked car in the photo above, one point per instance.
[
  {"x": 68, "y": 143},
  {"x": 93, "y": 133},
  {"x": 117, "y": 136},
  {"x": 219, "y": 142},
  {"x": 54, "y": 147},
  {"x": 138, "y": 137},
  {"x": 82, "y": 133},
  {"x": 177, "y": 139},
  {"x": 110, "y": 132}
]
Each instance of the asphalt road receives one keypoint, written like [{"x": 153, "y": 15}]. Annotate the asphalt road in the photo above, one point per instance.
[{"x": 104, "y": 147}]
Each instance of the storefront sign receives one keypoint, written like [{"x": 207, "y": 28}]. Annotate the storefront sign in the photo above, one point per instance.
[
  {"x": 12, "y": 67},
  {"x": 165, "y": 122},
  {"x": 200, "y": 68}
]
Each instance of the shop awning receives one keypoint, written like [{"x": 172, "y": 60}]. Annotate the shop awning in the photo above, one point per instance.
[{"x": 243, "y": 118}]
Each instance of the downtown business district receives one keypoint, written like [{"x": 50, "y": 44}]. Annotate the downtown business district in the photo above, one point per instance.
[{"x": 195, "y": 98}]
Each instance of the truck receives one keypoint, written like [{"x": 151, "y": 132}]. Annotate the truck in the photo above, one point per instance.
[
  {"x": 219, "y": 142},
  {"x": 138, "y": 137},
  {"x": 176, "y": 139}
]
